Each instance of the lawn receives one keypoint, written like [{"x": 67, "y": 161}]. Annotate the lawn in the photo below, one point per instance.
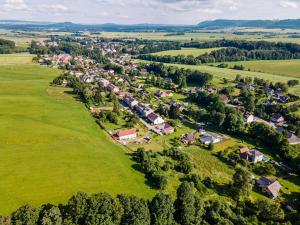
[
  {"x": 289, "y": 68},
  {"x": 50, "y": 146},
  {"x": 186, "y": 51}
]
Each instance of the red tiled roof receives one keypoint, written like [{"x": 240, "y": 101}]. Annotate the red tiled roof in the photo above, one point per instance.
[{"x": 123, "y": 133}]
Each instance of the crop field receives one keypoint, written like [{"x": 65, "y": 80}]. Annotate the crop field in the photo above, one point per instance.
[
  {"x": 50, "y": 146},
  {"x": 289, "y": 68},
  {"x": 15, "y": 59},
  {"x": 186, "y": 51},
  {"x": 200, "y": 36}
]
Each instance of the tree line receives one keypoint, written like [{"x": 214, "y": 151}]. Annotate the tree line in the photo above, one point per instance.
[
  {"x": 187, "y": 209},
  {"x": 232, "y": 50},
  {"x": 7, "y": 46},
  {"x": 178, "y": 75}
]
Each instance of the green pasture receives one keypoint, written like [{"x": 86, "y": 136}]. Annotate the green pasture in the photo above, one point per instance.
[
  {"x": 186, "y": 51},
  {"x": 50, "y": 145},
  {"x": 288, "y": 68},
  {"x": 231, "y": 74}
]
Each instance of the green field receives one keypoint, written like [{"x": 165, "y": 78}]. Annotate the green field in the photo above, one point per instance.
[
  {"x": 199, "y": 36},
  {"x": 290, "y": 68},
  {"x": 231, "y": 74},
  {"x": 50, "y": 145},
  {"x": 186, "y": 51}
]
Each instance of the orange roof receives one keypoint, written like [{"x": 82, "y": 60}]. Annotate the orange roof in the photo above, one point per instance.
[
  {"x": 123, "y": 133},
  {"x": 244, "y": 149}
]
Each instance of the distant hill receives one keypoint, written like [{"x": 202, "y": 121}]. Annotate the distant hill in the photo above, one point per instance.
[
  {"x": 215, "y": 24},
  {"x": 219, "y": 24}
]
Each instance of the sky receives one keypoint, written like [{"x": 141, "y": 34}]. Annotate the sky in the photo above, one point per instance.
[{"x": 146, "y": 11}]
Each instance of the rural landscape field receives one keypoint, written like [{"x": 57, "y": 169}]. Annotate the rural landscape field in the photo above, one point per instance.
[
  {"x": 50, "y": 146},
  {"x": 149, "y": 112}
]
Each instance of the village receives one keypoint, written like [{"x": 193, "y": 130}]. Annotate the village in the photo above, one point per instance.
[{"x": 125, "y": 85}]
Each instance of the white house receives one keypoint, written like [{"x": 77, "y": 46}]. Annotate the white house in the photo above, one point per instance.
[
  {"x": 130, "y": 101},
  {"x": 248, "y": 118},
  {"x": 127, "y": 135},
  {"x": 104, "y": 82},
  {"x": 208, "y": 138},
  {"x": 155, "y": 119}
]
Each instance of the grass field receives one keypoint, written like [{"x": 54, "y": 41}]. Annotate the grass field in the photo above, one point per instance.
[
  {"x": 50, "y": 146},
  {"x": 15, "y": 59},
  {"x": 186, "y": 51},
  {"x": 231, "y": 74},
  {"x": 289, "y": 68}
]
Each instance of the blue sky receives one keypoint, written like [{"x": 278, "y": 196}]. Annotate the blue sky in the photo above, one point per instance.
[{"x": 147, "y": 11}]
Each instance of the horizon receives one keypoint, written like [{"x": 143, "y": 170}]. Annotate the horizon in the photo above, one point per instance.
[
  {"x": 136, "y": 24},
  {"x": 169, "y": 12}
]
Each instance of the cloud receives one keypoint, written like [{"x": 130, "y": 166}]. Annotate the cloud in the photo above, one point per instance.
[
  {"x": 55, "y": 8},
  {"x": 15, "y": 5},
  {"x": 289, "y": 4}
]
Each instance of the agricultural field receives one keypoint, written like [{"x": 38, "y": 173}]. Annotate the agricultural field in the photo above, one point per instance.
[
  {"x": 51, "y": 146},
  {"x": 199, "y": 36},
  {"x": 289, "y": 68},
  {"x": 186, "y": 51}
]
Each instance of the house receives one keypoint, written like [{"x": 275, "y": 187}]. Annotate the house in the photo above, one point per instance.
[
  {"x": 163, "y": 94},
  {"x": 139, "y": 86},
  {"x": 269, "y": 187},
  {"x": 277, "y": 118},
  {"x": 244, "y": 150},
  {"x": 121, "y": 94},
  {"x": 270, "y": 102},
  {"x": 126, "y": 135},
  {"x": 113, "y": 88},
  {"x": 130, "y": 101},
  {"x": 248, "y": 87},
  {"x": 209, "y": 139},
  {"x": 224, "y": 98},
  {"x": 189, "y": 139},
  {"x": 283, "y": 99},
  {"x": 168, "y": 80},
  {"x": 146, "y": 111},
  {"x": 248, "y": 117},
  {"x": 269, "y": 91},
  {"x": 64, "y": 58},
  {"x": 251, "y": 155},
  {"x": 292, "y": 138},
  {"x": 211, "y": 90},
  {"x": 155, "y": 118},
  {"x": 166, "y": 129},
  {"x": 201, "y": 131},
  {"x": 143, "y": 110}
]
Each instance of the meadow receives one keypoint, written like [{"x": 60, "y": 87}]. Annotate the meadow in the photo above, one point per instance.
[
  {"x": 186, "y": 51},
  {"x": 289, "y": 68},
  {"x": 50, "y": 145},
  {"x": 231, "y": 74}
]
